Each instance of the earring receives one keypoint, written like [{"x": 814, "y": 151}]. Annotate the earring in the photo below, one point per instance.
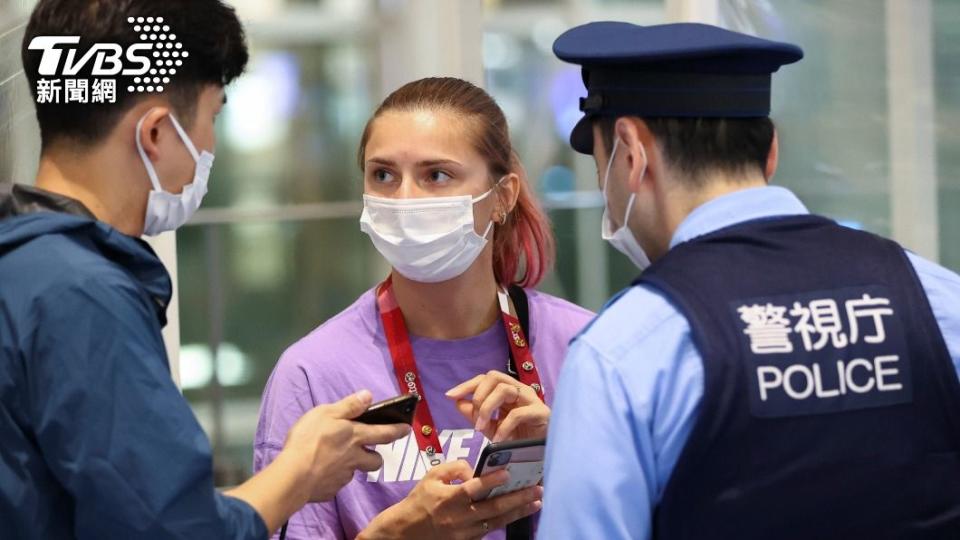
[{"x": 503, "y": 218}]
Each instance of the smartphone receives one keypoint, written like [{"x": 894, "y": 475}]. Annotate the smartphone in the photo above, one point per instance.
[
  {"x": 398, "y": 410},
  {"x": 522, "y": 459}
]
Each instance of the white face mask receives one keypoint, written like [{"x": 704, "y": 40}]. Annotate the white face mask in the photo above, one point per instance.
[
  {"x": 428, "y": 239},
  {"x": 622, "y": 239},
  {"x": 168, "y": 211}
]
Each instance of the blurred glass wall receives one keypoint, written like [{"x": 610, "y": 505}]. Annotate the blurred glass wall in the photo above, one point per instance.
[
  {"x": 946, "y": 118},
  {"x": 19, "y": 134}
]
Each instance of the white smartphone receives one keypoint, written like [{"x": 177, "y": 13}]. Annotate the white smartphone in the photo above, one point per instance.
[{"x": 522, "y": 459}]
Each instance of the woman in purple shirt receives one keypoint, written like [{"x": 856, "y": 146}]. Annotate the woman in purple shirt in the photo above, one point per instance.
[{"x": 446, "y": 202}]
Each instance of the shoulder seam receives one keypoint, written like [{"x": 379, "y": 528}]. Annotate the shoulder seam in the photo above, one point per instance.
[{"x": 639, "y": 338}]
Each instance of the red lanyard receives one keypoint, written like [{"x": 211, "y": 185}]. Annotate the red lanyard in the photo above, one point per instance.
[{"x": 405, "y": 366}]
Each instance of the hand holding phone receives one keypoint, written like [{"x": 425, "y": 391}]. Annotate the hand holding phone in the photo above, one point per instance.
[
  {"x": 523, "y": 460},
  {"x": 447, "y": 503},
  {"x": 397, "y": 410}
]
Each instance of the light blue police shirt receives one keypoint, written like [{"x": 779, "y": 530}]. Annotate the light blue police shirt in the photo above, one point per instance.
[{"x": 630, "y": 389}]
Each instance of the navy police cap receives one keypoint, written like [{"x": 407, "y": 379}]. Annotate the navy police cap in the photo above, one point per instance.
[{"x": 682, "y": 70}]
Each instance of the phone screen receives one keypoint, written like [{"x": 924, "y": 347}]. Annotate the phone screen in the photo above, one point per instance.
[{"x": 522, "y": 459}]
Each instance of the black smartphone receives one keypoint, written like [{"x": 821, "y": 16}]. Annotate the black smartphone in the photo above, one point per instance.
[
  {"x": 398, "y": 410},
  {"x": 522, "y": 459}
]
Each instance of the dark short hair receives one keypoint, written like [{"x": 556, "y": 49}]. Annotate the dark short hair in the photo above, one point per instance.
[
  {"x": 208, "y": 29},
  {"x": 695, "y": 146}
]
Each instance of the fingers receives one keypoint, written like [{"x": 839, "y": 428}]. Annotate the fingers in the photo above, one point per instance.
[
  {"x": 534, "y": 416},
  {"x": 510, "y": 507},
  {"x": 351, "y": 406},
  {"x": 519, "y": 513},
  {"x": 465, "y": 408},
  {"x": 502, "y": 394},
  {"x": 464, "y": 389},
  {"x": 476, "y": 530},
  {"x": 477, "y": 488},
  {"x": 452, "y": 471},
  {"x": 491, "y": 391},
  {"x": 327, "y": 488},
  {"x": 369, "y": 435},
  {"x": 369, "y": 460},
  {"x": 491, "y": 380}
]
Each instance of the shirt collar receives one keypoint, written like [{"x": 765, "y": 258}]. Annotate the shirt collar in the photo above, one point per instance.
[
  {"x": 737, "y": 207},
  {"x": 19, "y": 199}
]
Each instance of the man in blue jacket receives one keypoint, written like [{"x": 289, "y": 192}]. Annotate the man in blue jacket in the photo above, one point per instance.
[
  {"x": 95, "y": 439},
  {"x": 771, "y": 374}
]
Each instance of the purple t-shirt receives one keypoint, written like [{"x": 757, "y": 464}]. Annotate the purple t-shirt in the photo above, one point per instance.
[{"x": 349, "y": 353}]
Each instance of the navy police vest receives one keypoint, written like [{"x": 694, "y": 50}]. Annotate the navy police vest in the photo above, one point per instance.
[{"x": 831, "y": 407}]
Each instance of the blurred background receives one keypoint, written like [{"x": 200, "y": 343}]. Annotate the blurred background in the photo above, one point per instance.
[{"x": 867, "y": 126}]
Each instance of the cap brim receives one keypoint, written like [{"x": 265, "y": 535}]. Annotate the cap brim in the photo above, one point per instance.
[{"x": 581, "y": 138}]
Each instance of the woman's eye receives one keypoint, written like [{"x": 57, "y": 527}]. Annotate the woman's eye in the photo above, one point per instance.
[
  {"x": 439, "y": 176},
  {"x": 382, "y": 175}
]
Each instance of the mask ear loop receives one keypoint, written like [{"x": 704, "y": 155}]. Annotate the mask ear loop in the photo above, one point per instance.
[
  {"x": 606, "y": 174},
  {"x": 151, "y": 171},
  {"x": 489, "y": 228},
  {"x": 633, "y": 196},
  {"x": 185, "y": 138},
  {"x": 606, "y": 178},
  {"x": 503, "y": 215},
  {"x": 503, "y": 218}
]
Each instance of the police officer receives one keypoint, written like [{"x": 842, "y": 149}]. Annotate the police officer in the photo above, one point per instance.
[{"x": 771, "y": 374}]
